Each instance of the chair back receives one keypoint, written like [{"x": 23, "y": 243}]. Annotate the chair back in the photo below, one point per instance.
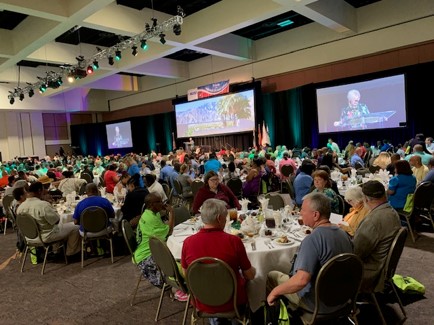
[
  {"x": 423, "y": 197},
  {"x": 166, "y": 189},
  {"x": 196, "y": 185},
  {"x": 86, "y": 177},
  {"x": 395, "y": 253},
  {"x": 7, "y": 202},
  {"x": 275, "y": 201},
  {"x": 94, "y": 219},
  {"x": 166, "y": 263},
  {"x": 181, "y": 214},
  {"x": 367, "y": 158},
  {"x": 287, "y": 170},
  {"x": 178, "y": 187},
  {"x": 212, "y": 282},
  {"x": 129, "y": 237},
  {"x": 346, "y": 270},
  {"x": 341, "y": 204},
  {"x": 82, "y": 190},
  {"x": 28, "y": 226},
  {"x": 236, "y": 186}
]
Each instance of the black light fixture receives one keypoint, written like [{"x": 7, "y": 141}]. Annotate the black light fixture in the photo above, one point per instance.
[
  {"x": 31, "y": 92},
  {"x": 11, "y": 100},
  {"x": 162, "y": 38},
  {"x": 43, "y": 88},
  {"x": 118, "y": 55},
  {"x": 177, "y": 29},
  {"x": 89, "y": 69},
  {"x": 143, "y": 45},
  {"x": 147, "y": 28},
  {"x": 21, "y": 96},
  {"x": 111, "y": 61},
  {"x": 134, "y": 52},
  {"x": 95, "y": 65},
  {"x": 154, "y": 23}
]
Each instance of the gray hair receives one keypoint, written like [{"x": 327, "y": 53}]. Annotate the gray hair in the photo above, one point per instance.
[
  {"x": 319, "y": 202},
  {"x": 353, "y": 93},
  {"x": 211, "y": 209},
  {"x": 354, "y": 194}
]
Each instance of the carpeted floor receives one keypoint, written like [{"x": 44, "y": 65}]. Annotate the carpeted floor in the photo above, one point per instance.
[{"x": 100, "y": 292}]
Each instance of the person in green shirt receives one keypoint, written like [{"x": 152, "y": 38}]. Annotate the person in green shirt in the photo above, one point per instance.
[{"x": 151, "y": 224}]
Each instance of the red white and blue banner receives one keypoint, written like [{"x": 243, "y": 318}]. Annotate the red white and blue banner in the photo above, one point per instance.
[{"x": 217, "y": 88}]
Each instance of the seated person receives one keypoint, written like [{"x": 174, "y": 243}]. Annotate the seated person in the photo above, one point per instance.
[
  {"x": 303, "y": 181},
  {"x": 151, "y": 224},
  {"x": 400, "y": 185},
  {"x": 111, "y": 178},
  {"x": 326, "y": 241},
  {"x": 70, "y": 183},
  {"x": 214, "y": 189},
  {"x": 48, "y": 219},
  {"x": 322, "y": 184},
  {"x": 358, "y": 211},
  {"x": 154, "y": 186},
  {"x": 252, "y": 184},
  {"x": 185, "y": 180},
  {"x": 93, "y": 199},
  {"x": 375, "y": 235},
  {"x": 134, "y": 200},
  {"x": 230, "y": 249}
]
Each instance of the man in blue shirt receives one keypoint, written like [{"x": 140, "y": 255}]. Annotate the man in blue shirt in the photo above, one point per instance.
[
  {"x": 133, "y": 169},
  {"x": 303, "y": 181},
  {"x": 212, "y": 164},
  {"x": 356, "y": 160},
  {"x": 165, "y": 171},
  {"x": 430, "y": 176}
]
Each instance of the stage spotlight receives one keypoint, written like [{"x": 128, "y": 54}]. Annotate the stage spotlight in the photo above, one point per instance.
[
  {"x": 43, "y": 88},
  {"x": 110, "y": 60},
  {"x": 95, "y": 65},
  {"x": 154, "y": 23},
  {"x": 134, "y": 52},
  {"x": 59, "y": 81},
  {"x": 11, "y": 100},
  {"x": 70, "y": 77},
  {"x": 177, "y": 29},
  {"x": 147, "y": 28},
  {"x": 162, "y": 40},
  {"x": 21, "y": 96},
  {"x": 31, "y": 92},
  {"x": 143, "y": 45},
  {"x": 118, "y": 55},
  {"x": 89, "y": 69}
]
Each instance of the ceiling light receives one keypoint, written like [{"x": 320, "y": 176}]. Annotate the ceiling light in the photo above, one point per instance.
[
  {"x": 59, "y": 81},
  {"x": 110, "y": 60},
  {"x": 118, "y": 55},
  {"x": 162, "y": 40},
  {"x": 71, "y": 77},
  {"x": 134, "y": 52},
  {"x": 11, "y": 100},
  {"x": 31, "y": 92},
  {"x": 21, "y": 96},
  {"x": 147, "y": 28},
  {"x": 154, "y": 23},
  {"x": 177, "y": 29},
  {"x": 143, "y": 45},
  {"x": 43, "y": 88},
  {"x": 95, "y": 65},
  {"x": 284, "y": 23},
  {"x": 89, "y": 69}
]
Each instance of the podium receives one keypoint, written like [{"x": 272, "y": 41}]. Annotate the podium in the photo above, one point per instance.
[{"x": 378, "y": 117}]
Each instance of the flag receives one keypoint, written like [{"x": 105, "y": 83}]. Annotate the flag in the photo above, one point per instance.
[
  {"x": 254, "y": 139},
  {"x": 173, "y": 141},
  {"x": 259, "y": 135},
  {"x": 265, "y": 135}
]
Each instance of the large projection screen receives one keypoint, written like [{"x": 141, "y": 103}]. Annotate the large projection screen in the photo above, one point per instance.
[
  {"x": 119, "y": 135},
  {"x": 374, "y": 104},
  {"x": 231, "y": 113}
]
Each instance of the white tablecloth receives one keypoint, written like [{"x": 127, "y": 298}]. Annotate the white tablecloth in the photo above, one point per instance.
[{"x": 263, "y": 259}]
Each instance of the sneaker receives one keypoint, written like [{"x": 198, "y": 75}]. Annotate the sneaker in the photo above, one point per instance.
[{"x": 181, "y": 296}]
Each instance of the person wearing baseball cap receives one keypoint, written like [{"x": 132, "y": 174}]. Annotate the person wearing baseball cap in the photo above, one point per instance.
[{"x": 374, "y": 236}]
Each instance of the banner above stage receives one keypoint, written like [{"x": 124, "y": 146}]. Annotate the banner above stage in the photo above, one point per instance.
[{"x": 216, "y": 88}]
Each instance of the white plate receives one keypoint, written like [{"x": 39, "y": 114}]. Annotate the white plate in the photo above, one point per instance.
[{"x": 277, "y": 242}]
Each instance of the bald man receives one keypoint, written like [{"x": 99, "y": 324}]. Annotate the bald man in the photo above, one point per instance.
[{"x": 419, "y": 170}]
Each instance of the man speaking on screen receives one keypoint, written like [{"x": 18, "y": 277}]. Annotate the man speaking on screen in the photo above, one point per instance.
[{"x": 351, "y": 115}]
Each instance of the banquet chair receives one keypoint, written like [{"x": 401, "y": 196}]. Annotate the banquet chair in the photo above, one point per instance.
[
  {"x": 181, "y": 214},
  {"x": 130, "y": 240},
  {"x": 236, "y": 186},
  {"x": 212, "y": 282},
  {"x": 29, "y": 229},
  {"x": 95, "y": 223},
  {"x": 287, "y": 171},
  {"x": 181, "y": 198},
  {"x": 390, "y": 266},
  {"x": 86, "y": 177},
  {"x": 195, "y": 186},
  {"x": 341, "y": 276},
  {"x": 170, "y": 273},
  {"x": 341, "y": 204},
  {"x": 275, "y": 200},
  {"x": 168, "y": 192},
  {"x": 423, "y": 198},
  {"x": 82, "y": 190},
  {"x": 7, "y": 201}
]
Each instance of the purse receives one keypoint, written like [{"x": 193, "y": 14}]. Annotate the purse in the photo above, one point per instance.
[{"x": 407, "y": 284}]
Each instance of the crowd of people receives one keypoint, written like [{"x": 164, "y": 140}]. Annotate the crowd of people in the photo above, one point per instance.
[{"x": 368, "y": 227}]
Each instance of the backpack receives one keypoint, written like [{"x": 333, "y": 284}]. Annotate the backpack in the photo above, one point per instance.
[{"x": 276, "y": 314}]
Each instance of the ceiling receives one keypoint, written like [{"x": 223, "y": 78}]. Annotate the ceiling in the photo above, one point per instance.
[{"x": 42, "y": 36}]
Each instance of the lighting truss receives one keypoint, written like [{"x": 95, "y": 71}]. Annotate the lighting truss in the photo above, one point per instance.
[{"x": 151, "y": 30}]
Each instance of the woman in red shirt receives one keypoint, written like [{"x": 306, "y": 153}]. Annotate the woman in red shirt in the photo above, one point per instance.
[{"x": 111, "y": 178}]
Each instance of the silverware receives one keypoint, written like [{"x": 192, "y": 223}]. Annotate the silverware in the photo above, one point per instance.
[
  {"x": 268, "y": 243},
  {"x": 253, "y": 245}
]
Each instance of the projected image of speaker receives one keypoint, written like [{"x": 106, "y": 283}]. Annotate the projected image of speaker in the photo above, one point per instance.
[
  {"x": 119, "y": 135},
  {"x": 225, "y": 114},
  {"x": 372, "y": 104}
]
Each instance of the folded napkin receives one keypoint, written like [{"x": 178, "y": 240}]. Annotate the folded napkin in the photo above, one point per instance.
[
  {"x": 244, "y": 204},
  {"x": 264, "y": 203}
]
